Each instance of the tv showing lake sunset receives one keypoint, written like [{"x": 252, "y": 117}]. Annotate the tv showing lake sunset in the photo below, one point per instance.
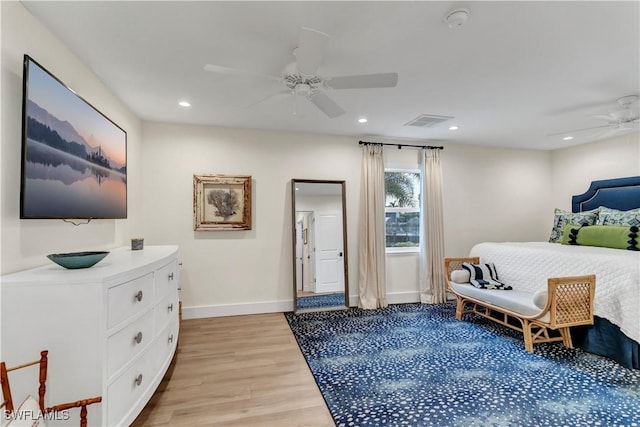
[{"x": 74, "y": 158}]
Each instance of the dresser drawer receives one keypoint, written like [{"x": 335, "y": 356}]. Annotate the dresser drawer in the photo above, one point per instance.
[
  {"x": 167, "y": 342},
  {"x": 166, "y": 280},
  {"x": 126, "y": 391},
  {"x": 128, "y": 299},
  {"x": 166, "y": 310},
  {"x": 129, "y": 341}
]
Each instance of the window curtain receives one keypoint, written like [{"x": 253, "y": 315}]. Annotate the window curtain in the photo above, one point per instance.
[
  {"x": 432, "y": 284},
  {"x": 372, "y": 277}
]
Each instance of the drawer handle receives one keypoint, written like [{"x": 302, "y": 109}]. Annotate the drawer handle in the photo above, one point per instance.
[
  {"x": 138, "y": 338},
  {"x": 138, "y": 296},
  {"x": 138, "y": 379},
  {"x": 170, "y": 307},
  {"x": 170, "y": 276},
  {"x": 171, "y": 338}
]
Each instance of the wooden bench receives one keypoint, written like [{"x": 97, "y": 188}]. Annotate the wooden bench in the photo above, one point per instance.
[{"x": 569, "y": 302}]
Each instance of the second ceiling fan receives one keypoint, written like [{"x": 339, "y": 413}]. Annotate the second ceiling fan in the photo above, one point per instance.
[
  {"x": 301, "y": 78},
  {"x": 622, "y": 119}
]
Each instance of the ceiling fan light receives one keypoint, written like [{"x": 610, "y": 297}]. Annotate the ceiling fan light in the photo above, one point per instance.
[
  {"x": 453, "y": 128},
  {"x": 184, "y": 104},
  {"x": 302, "y": 89},
  {"x": 567, "y": 138},
  {"x": 362, "y": 120}
]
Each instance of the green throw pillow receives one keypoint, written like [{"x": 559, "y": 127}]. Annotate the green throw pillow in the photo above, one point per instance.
[
  {"x": 605, "y": 236},
  {"x": 567, "y": 232}
]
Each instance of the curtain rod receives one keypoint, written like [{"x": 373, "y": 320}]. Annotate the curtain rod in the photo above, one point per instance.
[{"x": 424, "y": 147}]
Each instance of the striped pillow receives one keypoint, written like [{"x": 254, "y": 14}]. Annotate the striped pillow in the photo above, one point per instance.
[{"x": 484, "y": 276}]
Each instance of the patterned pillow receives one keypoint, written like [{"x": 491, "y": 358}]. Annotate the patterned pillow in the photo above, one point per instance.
[
  {"x": 562, "y": 218},
  {"x": 484, "y": 276},
  {"x": 608, "y": 216}
]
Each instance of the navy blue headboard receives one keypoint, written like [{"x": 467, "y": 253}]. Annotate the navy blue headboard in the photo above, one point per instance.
[{"x": 618, "y": 193}]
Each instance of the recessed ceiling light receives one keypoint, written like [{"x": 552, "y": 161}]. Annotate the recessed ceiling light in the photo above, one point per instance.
[
  {"x": 362, "y": 120},
  {"x": 453, "y": 128},
  {"x": 184, "y": 104},
  {"x": 567, "y": 138}
]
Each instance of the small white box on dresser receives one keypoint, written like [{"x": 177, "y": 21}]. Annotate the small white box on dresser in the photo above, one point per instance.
[{"x": 111, "y": 330}]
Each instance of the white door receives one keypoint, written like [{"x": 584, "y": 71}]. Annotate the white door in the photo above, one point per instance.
[
  {"x": 329, "y": 263},
  {"x": 310, "y": 283},
  {"x": 299, "y": 245}
]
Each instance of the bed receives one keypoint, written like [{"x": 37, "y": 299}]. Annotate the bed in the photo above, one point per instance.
[{"x": 616, "y": 331}]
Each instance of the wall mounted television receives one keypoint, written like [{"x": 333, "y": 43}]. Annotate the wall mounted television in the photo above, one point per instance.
[{"x": 74, "y": 158}]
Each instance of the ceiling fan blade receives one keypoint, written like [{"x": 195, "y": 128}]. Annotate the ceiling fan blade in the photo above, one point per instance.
[
  {"x": 310, "y": 51},
  {"x": 226, "y": 70},
  {"x": 326, "y": 104},
  {"x": 578, "y": 130},
  {"x": 612, "y": 131},
  {"x": 364, "y": 81},
  {"x": 279, "y": 94},
  {"x": 607, "y": 117}
]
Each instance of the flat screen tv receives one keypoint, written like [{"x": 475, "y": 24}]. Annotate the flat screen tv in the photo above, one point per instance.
[{"x": 74, "y": 159}]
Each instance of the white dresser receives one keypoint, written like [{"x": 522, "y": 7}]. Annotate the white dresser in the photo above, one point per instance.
[{"x": 111, "y": 330}]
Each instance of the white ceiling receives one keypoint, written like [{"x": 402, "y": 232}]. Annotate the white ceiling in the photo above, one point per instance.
[{"x": 513, "y": 74}]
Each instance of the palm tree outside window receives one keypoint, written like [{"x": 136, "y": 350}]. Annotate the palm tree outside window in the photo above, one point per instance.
[{"x": 402, "y": 209}]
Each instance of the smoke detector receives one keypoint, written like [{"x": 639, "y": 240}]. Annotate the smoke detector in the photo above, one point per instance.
[{"x": 456, "y": 17}]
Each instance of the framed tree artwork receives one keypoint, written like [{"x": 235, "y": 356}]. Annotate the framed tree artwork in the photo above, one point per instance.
[{"x": 221, "y": 202}]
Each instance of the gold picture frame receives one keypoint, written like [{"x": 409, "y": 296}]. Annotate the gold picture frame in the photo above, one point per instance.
[{"x": 221, "y": 202}]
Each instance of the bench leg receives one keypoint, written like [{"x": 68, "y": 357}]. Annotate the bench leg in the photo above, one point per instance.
[
  {"x": 459, "y": 308},
  {"x": 528, "y": 339},
  {"x": 566, "y": 337}
]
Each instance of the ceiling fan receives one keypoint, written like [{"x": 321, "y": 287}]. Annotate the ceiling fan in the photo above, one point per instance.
[
  {"x": 623, "y": 119},
  {"x": 301, "y": 78}
]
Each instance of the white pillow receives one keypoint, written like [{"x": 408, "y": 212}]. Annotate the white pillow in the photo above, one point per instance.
[
  {"x": 460, "y": 276},
  {"x": 27, "y": 415},
  {"x": 540, "y": 298}
]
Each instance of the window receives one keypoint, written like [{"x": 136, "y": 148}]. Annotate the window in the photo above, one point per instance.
[{"x": 402, "y": 209}]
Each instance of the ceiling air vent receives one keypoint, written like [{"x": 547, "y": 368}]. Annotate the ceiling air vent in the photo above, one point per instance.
[{"x": 428, "y": 121}]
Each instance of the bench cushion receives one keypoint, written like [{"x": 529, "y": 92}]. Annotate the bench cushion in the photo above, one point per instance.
[{"x": 514, "y": 300}]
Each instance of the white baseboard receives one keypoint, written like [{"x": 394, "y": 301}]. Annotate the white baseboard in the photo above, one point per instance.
[
  {"x": 403, "y": 297},
  {"x": 203, "y": 311}
]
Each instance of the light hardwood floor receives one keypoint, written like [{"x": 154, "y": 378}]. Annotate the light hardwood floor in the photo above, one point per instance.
[{"x": 237, "y": 371}]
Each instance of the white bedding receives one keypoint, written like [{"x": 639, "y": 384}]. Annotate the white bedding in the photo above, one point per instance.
[{"x": 526, "y": 267}]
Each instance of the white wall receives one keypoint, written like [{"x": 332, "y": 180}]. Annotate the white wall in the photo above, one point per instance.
[
  {"x": 495, "y": 194},
  {"x": 239, "y": 271},
  {"x": 319, "y": 203},
  {"x": 574, "y": 168},
  {"x": 26, "y": 242},
  {"x": 489, "y": 194},
  {"x": 234, "y": 272}
]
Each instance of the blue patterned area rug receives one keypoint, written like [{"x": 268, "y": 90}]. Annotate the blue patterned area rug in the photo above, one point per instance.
[
  {"x": 415, "y": 365},
  {"x": 321, "y": 300}
]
